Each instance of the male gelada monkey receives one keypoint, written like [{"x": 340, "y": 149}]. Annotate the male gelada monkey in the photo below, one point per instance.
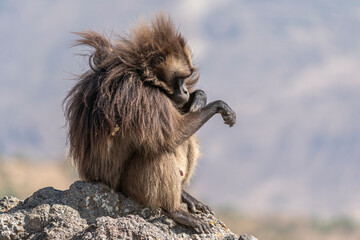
[{"x": 133, "y": 115}]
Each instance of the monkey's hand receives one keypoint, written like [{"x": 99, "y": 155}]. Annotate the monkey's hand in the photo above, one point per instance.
[
  {"x": 227, "y": 113},
  {"x": 194, "y": 204},
  {"x": 196, "y": 101},
  {"x": 199, "y": 100}
]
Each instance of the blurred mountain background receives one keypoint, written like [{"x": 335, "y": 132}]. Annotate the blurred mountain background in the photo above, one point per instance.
[{"x": 290, "y": 69}]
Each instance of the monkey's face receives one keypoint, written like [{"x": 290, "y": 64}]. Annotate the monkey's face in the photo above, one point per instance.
[
  {"x": 180, "y": 94},
  {"x": 177, "y": 70}
]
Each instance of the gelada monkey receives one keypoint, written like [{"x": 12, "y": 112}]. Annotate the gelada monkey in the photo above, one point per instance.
[{"x": 133, "y": 115}]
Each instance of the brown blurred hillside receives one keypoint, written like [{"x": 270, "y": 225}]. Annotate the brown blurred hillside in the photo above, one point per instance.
[
  {"x": 292, "y": 227},
  {"x": 20, "y": 177}
]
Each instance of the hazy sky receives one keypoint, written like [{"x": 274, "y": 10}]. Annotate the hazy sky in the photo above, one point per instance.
[{"x": 290, "y": 69}]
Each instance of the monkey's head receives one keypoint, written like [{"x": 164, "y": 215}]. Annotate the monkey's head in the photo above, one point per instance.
[
  {"x": 177, "y": 72},
  {"x": 156, "y": 52},
  {"x": 165, "y": 58}
]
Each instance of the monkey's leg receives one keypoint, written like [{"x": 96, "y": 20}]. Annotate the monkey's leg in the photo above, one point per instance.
[
  {"x": 176, "y": 213},
  {"x": 194, "y": 204},
  {"x": 157, "y": 183}
]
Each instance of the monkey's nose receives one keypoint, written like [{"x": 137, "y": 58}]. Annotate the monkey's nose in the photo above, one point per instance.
[{"x": 183, "y": 91}]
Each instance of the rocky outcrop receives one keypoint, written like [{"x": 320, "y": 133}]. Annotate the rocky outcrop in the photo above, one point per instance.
[{"x": 93, "y": 211}]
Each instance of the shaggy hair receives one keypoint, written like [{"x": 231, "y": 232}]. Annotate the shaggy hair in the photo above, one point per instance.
[{"x": 120, "y": 108}]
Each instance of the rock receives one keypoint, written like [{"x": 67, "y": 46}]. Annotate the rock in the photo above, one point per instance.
[
  {"x": 247, "y": 237},
  {"x": 93, "y": 211}
]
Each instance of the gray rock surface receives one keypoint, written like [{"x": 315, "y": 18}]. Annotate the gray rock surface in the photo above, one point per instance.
[{"x": 93, "y": 211}]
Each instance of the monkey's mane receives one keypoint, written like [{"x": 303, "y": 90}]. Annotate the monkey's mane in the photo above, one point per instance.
[{"x": 121, "y": 91}]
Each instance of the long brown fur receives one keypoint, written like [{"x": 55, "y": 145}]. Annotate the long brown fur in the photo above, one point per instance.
[{"x": 123, "y": 127}]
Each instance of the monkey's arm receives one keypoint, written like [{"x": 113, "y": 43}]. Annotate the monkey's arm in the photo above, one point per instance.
[
  {"x": 194, "y": 204},
  {"x": 159, "y": 124},
  {"x": 193, "y": 121}
]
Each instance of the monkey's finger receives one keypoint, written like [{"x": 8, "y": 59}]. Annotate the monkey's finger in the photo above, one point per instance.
[
  {"x": 206, "y": 209},
  {"x": 192, "y": 207},
  {"x": 209, "y": 210},
  {"x": 229, "y": 122},
  {"x": 203, "y": 208},
  {"x": 199, "y": 227},
  {"x": 207, "y": 228},
  {"x": 227, "y": 115},
  {"x": 229, "y": 119}
]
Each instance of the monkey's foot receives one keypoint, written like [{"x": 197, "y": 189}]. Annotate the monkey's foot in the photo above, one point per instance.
[
  {"x": 194, "y": 204},
  {"x": 187, "y": 219}
]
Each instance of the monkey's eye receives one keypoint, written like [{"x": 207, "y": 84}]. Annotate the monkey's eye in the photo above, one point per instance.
[
  {"x": 159, "y": 60},
  {"x": 179, "y": 80},
  {"x": 189, "y": 75}
]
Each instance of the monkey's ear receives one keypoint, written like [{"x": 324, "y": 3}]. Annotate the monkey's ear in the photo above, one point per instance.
[{"x": 101, "y": 45}]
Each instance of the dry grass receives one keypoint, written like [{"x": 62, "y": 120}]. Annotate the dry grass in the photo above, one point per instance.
[
  {"x": 292, "y": 227},
  {"x": 20, "y": 177}
]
